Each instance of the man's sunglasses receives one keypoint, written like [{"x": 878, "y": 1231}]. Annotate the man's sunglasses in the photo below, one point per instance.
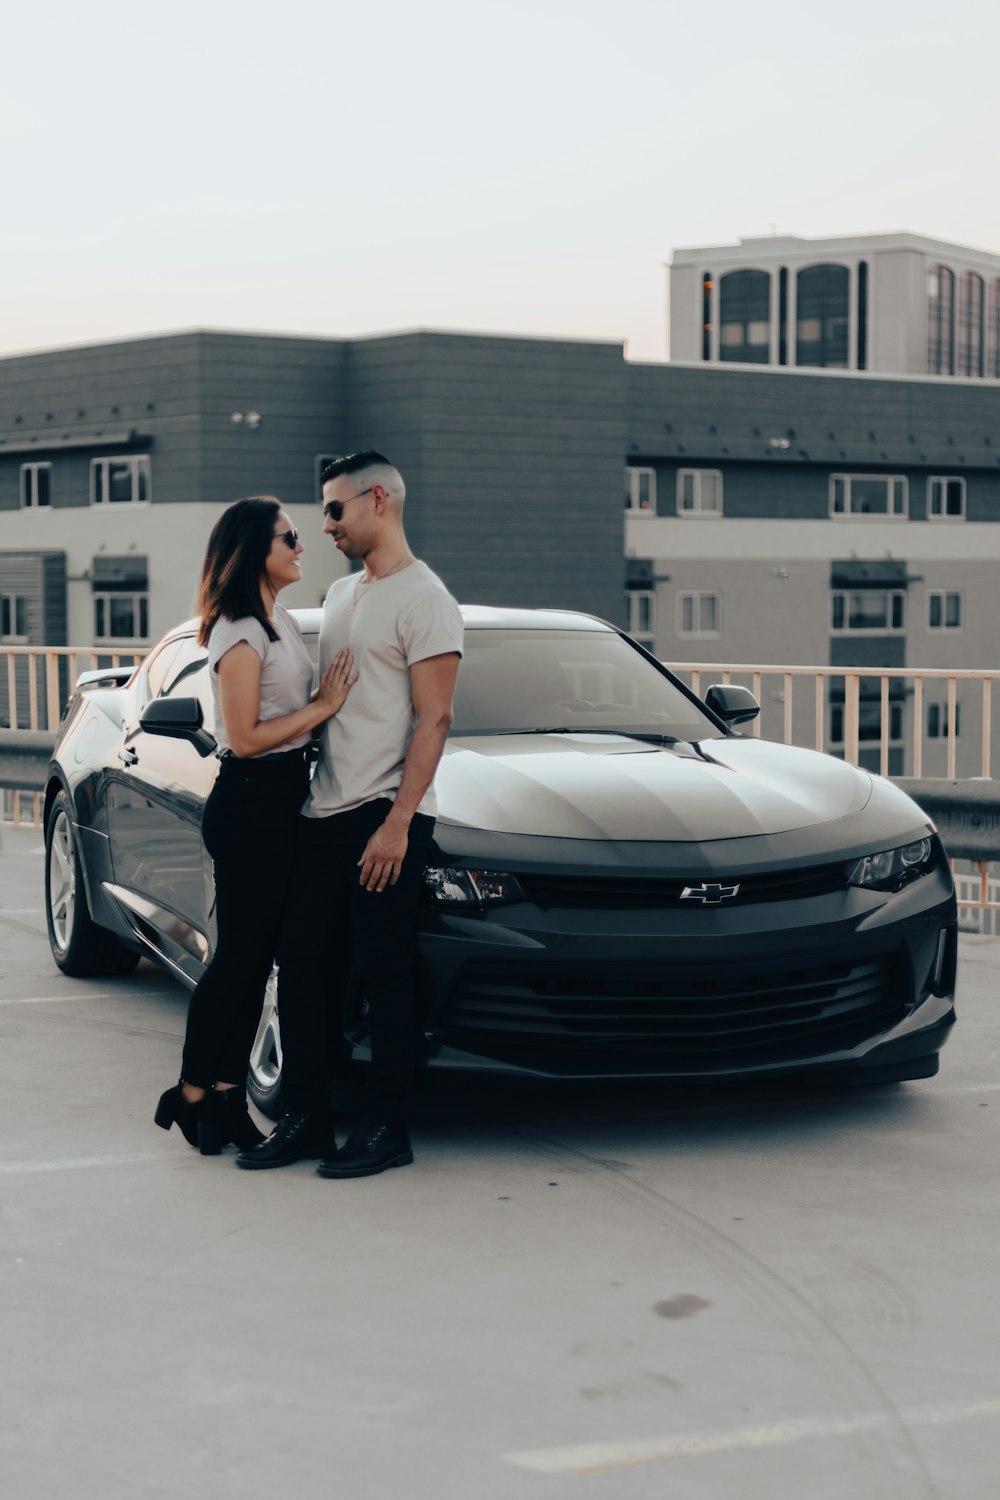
[
  {"x": 290, "y": 538},
  {"x": 334, "y": 509}
]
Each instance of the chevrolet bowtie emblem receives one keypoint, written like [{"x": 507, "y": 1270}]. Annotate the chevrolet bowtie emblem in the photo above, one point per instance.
[{"x": 710, "y": 894}]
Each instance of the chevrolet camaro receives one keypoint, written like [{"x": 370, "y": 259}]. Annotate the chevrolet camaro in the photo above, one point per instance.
[{"x": 622, "y": 883}]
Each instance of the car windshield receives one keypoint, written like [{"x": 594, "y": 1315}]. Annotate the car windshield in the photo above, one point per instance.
[{"x": 530, "y": 681}]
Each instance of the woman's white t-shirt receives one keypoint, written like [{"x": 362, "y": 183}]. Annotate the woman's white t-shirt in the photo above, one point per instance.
[{"x": 286, "y": 673}]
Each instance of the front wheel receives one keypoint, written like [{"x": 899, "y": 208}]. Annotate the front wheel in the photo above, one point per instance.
[
  {"x": 264, "y": 1072},
  {"x": 79, "y": 946}
]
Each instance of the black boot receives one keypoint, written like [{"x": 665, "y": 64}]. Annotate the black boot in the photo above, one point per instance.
[
  {"x": 174, "y": 1109},
  {"x": 371, "y": 1147},
  {"x": 295, "y": 1135},
  {"x": 222, "y": 1117}
]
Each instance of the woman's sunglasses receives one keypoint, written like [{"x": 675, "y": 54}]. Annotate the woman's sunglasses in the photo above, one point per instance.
[{"x": 290, "y": 538}]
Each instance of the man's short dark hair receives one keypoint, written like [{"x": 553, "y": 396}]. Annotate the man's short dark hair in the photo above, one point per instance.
[{"x": 353, "y": 463}]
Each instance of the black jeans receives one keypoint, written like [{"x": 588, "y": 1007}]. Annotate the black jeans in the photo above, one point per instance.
[
  {"x": 331, "y": 924},
  {"x": 249, "y": 830}
]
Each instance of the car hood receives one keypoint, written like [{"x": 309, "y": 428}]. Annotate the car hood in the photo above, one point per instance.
[{"x": 612, "y": 787}]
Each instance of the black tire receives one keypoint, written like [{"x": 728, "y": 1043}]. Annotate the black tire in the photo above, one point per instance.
[{"x": 79, "y": 947}]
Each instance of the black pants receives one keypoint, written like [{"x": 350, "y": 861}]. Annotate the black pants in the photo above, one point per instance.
[
  {"x": 334, "y": 927},
  {"x": 249, "y": 830}
]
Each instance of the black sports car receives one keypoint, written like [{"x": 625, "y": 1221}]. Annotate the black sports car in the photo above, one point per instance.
[{"x": 621, "y": 883}]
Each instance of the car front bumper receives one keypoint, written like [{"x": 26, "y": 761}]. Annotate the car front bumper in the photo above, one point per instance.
[{"x": 855, "y": 981}]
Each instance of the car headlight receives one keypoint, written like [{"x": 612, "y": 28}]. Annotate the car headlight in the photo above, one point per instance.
[
  {"x": 448, "y": 886},
  {"x": 892, "y": 868}
]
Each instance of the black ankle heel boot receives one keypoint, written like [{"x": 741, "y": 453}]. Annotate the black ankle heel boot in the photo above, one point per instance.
[
  {"x": 174, "y": 1109},
  {"x": 222, "y": 1117}
]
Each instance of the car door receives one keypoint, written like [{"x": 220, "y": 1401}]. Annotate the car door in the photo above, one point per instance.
[{"x": 156, "y": 798}]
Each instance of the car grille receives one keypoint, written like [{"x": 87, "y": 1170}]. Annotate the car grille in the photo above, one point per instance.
[
  {"x": 603, "y": 892},
  {"x": 712, "y": 1015}
]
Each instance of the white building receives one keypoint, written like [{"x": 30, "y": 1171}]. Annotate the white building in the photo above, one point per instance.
[{"x": 897, "y": 304}]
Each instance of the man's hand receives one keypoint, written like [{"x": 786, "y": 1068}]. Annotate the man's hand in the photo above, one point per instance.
[
  {"x": 432, "y": 683},
  {"x": 384, "y": 853}
]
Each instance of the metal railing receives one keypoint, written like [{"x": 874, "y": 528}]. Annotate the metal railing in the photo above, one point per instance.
[
  {"x": 35, "y": 684},
  {"x": 882, "y": 729},
  {"x": 35, "y": 681},
  {"x": 897, "y": 687},
  {"x": 979, "y": 895}
]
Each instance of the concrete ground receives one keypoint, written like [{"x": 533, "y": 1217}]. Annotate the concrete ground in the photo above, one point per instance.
[{"x": 617, "y": 1293}]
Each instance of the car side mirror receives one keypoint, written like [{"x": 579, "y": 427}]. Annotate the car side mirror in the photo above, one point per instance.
[
  {"x": 734, "y": 705},
  {"x": 178, "y": 719}
]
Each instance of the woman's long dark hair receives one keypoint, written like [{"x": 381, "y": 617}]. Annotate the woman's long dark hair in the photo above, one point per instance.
[{"x": 235, "y": 560}]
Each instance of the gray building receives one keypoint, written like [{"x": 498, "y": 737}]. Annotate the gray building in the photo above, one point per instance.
[
  {"x": 772, "y": 515},
  {"x": 775, "y": 516},
  {"x": 115, "y": 460}
]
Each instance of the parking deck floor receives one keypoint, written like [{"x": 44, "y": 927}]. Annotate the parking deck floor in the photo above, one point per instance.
[{"x": 604, "y": 1293}]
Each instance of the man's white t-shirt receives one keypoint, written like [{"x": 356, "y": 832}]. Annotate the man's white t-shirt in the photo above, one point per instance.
[{"x": 388, "y": 625}]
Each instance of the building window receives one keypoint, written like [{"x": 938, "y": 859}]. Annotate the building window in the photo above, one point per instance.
[
  {"x": 699, "y": 492},
  {"x": 868, "y": 612},
  {"x": 862, "y": 359},
  {"x": 970, "y": 324},
  {"x": 699, "y": 614},
  {"x": 640, "y": 491},
  {"x": 13, "y": 618},
  {"x": 868, "y": 495},
  {"x": 642, "y": 615},
  {"x": 937, "y": 721},
  {"x": 993, "y": 331},
  {"x": 945, "y": 499},
  {"x": 944, "y": 610},
  {"x": 783, "y": 316},
  {"x": 821, "y": 317},
  {"x": 706, "y": 315},
  {"x": 120, "y": 481},
  {"x": 36, "y": 485},
  {"x": 121, "y": 617},
  {"x": 940, "y": 327},
  {"x": 745, "y": 317}
]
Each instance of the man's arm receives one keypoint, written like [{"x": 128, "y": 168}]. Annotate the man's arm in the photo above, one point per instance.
[{"x": 432, "y": 687}]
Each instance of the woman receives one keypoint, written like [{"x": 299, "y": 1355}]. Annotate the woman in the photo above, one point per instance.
[{"x": 265, "y": 713}]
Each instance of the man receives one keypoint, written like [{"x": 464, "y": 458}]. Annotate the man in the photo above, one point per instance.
[{"x": 365, "y": 827}]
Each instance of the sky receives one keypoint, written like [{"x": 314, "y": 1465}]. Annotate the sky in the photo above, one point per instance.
[{"x": 515, "y": 167}]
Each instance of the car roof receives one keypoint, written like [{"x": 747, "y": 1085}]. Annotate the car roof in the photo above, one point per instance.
[
  {"x": 488, "y": 616},
  {"x": 474, "y": 616}
]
